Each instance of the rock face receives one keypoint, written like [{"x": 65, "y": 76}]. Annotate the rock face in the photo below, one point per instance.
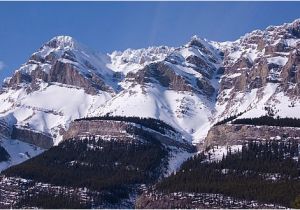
[
  {"x": 32, "y": 137},
  {"x": 25, "y": 134},
  {"x": 260, "y": 65},
  {"x": 183, "y": 200},
  {"x": 163, "y": 74},
  {"x": 5, "y": 130},
  {"x": 124, "y": 131},
  {"x": 233, "y": 134},
  {"x": 188, "y": 68}
]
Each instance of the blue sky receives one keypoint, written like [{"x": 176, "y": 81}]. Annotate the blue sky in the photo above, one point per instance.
[{"x": 108, "y": 26}]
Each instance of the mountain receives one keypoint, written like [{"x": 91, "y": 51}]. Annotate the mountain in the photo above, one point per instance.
[
  {"x": 202, "y": 94},
  {"x": 164, "y": 82}
]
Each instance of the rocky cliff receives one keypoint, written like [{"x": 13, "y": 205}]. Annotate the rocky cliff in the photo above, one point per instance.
[
  {"x": 62, "y": 60},
  {"x": 124, "y": 131},
  {"x": 32, "y": 137},
  {"x": 235, "y": 134},
  {"x": 5, "y": 129},
  {"x": 261, "y": 69}
]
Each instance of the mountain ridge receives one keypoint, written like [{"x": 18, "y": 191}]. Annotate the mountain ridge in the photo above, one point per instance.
[{"x": 190, "y": 87}]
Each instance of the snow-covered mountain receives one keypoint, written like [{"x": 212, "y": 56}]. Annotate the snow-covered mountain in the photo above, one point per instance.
[
  {"x": 170, "y": 84},
  {"x": 189, "y": 87},
  {"x": 261, "y": 73}
]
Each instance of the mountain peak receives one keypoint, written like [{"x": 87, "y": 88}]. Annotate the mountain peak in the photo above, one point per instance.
[
  {"x": 196, "y": 41},
  {"x": 63, "y": 42}
]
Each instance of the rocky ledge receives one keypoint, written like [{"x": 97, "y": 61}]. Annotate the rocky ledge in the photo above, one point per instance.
[
  {"x": 121, "y": 130},
  {"x": 230, "y": 134}
]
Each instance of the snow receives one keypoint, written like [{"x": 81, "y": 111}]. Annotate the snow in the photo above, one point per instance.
[
  {"x": 65, "y": 42},
  {"x": 288, "y": 107},
  {"x": 46, "y": 110},
  {"x": 257, "y": 105},
  {"x": 278, "y": 60},
  {"x": 235, "y": 55},
  {"x": 252, "y": 55},
  {"x": 231, "y": 76},
  {"x": 176, "y": 158},
  {"x": 167, "y": 105},
  {"x": 292, "y": 42},
  {"x": 132, "y": 60},
  {"x": 217, "y": 152},
  {"x": 19, "y": 151}
]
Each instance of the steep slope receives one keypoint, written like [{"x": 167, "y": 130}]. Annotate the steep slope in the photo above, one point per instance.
[
  {"x": 61, "y": 82},
  {"x": 261, "y": 73},
  {"x": 35, "y": 96},
  {"x": 178, "y": 89},
  {"x": 13, "y": 151},
  {"x": 64, "y": 60},
  {"x": 18, "y": 152}
]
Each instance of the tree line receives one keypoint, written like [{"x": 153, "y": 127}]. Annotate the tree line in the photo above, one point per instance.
[{"x": 269, "y": 121}]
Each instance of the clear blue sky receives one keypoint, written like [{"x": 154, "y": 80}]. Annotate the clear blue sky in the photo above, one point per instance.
[{"x": 108, "y": 26}]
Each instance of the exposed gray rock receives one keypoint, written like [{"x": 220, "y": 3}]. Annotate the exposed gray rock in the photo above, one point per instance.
[
  {"x": 67, "y": 73},
  {"x": 163, "y": 74},
  {"x": 231, "y": 134},
  {"x": 120, "y": 130},
  {"x": 32, "y": 137},
  {"x": 5, "y": 130},
  {"x": 184, "y": 200}
]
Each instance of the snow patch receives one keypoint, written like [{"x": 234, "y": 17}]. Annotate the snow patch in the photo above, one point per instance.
[{"x": 278, "y": 60}]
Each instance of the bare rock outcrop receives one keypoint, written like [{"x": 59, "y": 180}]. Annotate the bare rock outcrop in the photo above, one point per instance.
[
  {"x": 161, "y": 73},
  {"x": 5, "y": 130},
  {"x": 32, "y": 137},
  {"x": 231, "y": 134},
  {"x": 164, "y": 74},
  {"x": 123, "y": 131},
  {"x": 61, "y": 60}
]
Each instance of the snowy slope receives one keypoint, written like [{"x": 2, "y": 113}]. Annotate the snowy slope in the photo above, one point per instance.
[
  {"x": 261, "y": 73},
  {"x": 189, "y": 111},
  {"x": 19, "y": 151},
  {"x": 50, "y": 108}
]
